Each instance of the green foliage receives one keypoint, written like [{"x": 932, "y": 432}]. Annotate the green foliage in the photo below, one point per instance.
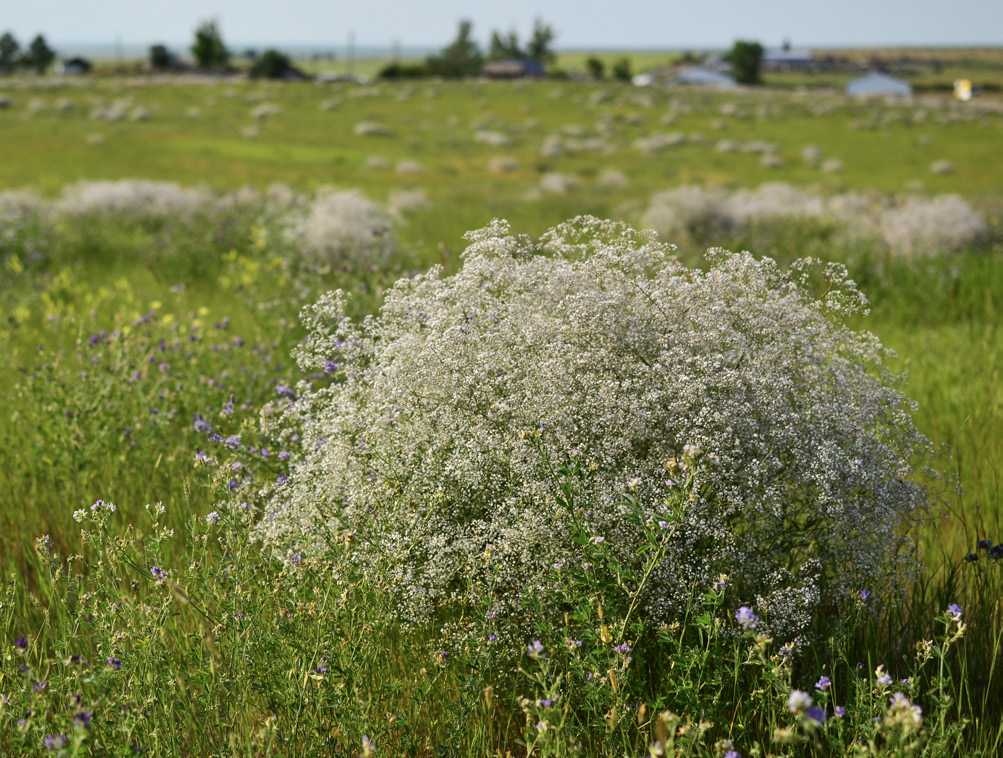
[
  {"x": 538, "y": 49},
  {"x": 460, "y": 58},
  {"x": 595, "y": 67},
  {"x": 505, "y": 46},
  {"x": 540, "y": 45},
  {"x": 9, "y": 51},
  {"x": 621, "y": 70},
  {"x": 39, "y": 56},
  {"x": 403, "y": 71},
  {"x": 271, "y": 64},
  {"x": 208, "y": 48},
  {"x": 745, "y": 58},
  {"x": 161, "y": 58}
]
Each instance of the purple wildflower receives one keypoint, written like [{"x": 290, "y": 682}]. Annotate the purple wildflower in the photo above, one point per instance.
[
  {"x": 622, "y": 649},
  {"x": 83, "y": 718},
  {"x": 115, "y": 663},
  {"x": 746, "y": 618},
  {"x": 866, "y": 597},
  {"x": 21, "y": 643},
  {"x": 330, "y": 367},
  {"x": 839, "y": 711},
  {"x": 212, "y": 518},
  {"x": 56, "y": 741},
  {"x": 201, "y": 425},
  {"x": 40, "y": 685},
  {"x": 285, "y": 391},
  {"x": 883, "y": 679},
  {"x": 158, "y": 573},
  {"x": 232, "y": 442},
  {"x": 816, "y": 714},
  {"x": 955, "y": 611},
  {"x": 823, "y": 684},
  {"x": 733, "y": 754},
  {"x": 535, "y": 649}
]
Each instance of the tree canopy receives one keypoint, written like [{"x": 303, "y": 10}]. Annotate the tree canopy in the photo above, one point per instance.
[
  {"x": 462, "y": 57},
  {"x": 39, "y": 55},
  {"x": 745, "y": 58},
  {"x": 208, "y": 48},
  {"x": 10, "y": 48}
]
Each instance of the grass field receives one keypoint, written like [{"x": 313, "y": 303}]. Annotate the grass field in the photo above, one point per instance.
[{"x": 128, "y": 318}]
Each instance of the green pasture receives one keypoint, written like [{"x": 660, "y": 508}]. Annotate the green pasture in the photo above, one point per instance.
[{"x": 888, "y": 147}]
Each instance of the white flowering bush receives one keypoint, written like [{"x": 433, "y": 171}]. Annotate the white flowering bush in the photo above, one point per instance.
[
  {"x": 945, "y": 223},
  {"x": 136, "y": 197},
  {"x": 434, "y": 450},
  {"x": 337, "y": 223},
  {"x": 910, "y": 227}
]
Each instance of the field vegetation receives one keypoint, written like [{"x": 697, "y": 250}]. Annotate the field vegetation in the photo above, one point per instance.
[{"x": 163, "y": 388}]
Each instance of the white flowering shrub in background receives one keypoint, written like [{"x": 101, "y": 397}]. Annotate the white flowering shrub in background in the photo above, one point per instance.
[
  {"x": 945, "y": 223},
  {"x": 911, "y": 226},
  {"x": 435, "y": 446},
  {"x": 149, "y": 199},
  {"x": 339, "y": 222}
]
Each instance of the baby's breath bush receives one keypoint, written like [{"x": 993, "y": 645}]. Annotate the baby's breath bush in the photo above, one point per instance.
[{"x": 433, "y": 450}]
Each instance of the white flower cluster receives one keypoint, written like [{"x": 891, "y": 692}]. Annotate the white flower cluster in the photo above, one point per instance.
[
  {"x": 132, "y": 196},
  {"x": 945, "y": 222},
  {"x": 434, "y": 448},
  {"x": 337, "y": 222},
  {"x": 910, "y": 227}
]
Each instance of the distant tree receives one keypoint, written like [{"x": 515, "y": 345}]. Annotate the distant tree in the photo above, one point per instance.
[
  {"x": 9, "y": 51},
  {"x": 39, "y": 55},
  {"x": 462, "y": 57},
  {"x": 208, "y": 48},
  {"x": 595, "y": 67},
  {"x": 621, "y": 70},
  {"x": 161, "y": 58},
  {"x": 539, "y": 48},
  {"x": 745, "y": 58},
  {"x": 250, "y": 54},
  {"x": 505, "y": 46},
  {"x": 271, "y": 64},
  {"x": 396, "y": 70}
]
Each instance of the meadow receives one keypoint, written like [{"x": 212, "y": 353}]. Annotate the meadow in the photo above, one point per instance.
[{"x": 159, "y": 239}]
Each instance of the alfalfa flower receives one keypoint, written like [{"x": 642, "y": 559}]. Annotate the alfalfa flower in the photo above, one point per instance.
[
  {"x": 799, "y": 702},
  {"x": 746, "y": 618}
]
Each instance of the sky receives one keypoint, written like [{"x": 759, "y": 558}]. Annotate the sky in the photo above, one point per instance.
[{"x": 579, "y": 24}]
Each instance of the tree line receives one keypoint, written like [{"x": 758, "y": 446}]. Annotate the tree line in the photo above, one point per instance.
[
  {"x": 460, "y": 58},
  {"x": 37, "y": 56}
]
